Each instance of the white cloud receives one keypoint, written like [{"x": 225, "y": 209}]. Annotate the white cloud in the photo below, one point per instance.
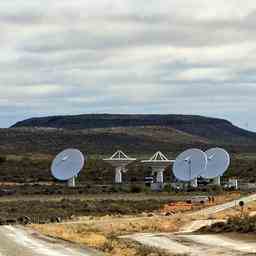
[
  {"x": 205, "y": 74},
  {"x": 173, "y": 56}
]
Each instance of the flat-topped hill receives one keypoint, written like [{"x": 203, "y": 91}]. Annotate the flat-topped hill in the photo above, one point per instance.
[{"x": 217, "y": 130}]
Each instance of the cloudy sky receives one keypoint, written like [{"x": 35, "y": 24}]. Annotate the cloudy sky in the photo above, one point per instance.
[{"x": 128, "y": 56}]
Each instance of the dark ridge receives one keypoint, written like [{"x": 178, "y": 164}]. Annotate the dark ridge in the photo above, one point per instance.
[
  {"x": 217, "y": 130},
  {"x": 88, "y": 121}
]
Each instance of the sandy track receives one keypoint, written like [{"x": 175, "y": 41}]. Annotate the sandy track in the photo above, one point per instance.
[
  {"x": 183, "y": 242},
  {"x": 225, "y": 206},
  {"x": 196, "y": 245},
  {"x": 220, "y": 245},
  {"x": 23, "y": 242},
  {"x": 195, "y": 225}
]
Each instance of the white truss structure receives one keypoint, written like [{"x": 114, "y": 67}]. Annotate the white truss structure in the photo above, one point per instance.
[
  {"x": 120, "y": 155},
  {"x": 159, "y": 156},
  {"x": 158, "y": 162},
  {"x": 119, "y": 160}
]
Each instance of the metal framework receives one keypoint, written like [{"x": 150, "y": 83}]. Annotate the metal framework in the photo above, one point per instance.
[
  {"x": 119, "y": 160},
  {"x": 158, "y": 162}
]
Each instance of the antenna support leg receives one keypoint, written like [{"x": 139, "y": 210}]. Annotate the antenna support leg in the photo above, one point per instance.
[
  {"x": 216, "y": 181},
  {"x": 72, "y": 182},
  {"x": 118, "y": 176},
  {"x": 160, "y": 177},
  {"x": 193, "y": 183}
]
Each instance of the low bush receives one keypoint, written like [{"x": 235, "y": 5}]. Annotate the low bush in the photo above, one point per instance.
[{"x": 244, "y": 224}]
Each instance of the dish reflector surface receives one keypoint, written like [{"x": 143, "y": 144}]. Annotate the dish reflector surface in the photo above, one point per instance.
[
  {"x": 67, "y": 164},
  {"x": 218, "y": 162},
  {"x": 189, "y": 164}
]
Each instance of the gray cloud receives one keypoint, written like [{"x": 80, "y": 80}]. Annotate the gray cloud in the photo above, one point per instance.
[{"x": 67, "y": 57}]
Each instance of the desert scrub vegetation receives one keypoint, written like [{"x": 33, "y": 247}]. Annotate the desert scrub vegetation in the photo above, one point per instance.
[
  {"x": 102, "y": 233},
  {"x": 245, "y": 224},
  {"x": 50, "y": 211},
  {"x": 117, "y": 247}
]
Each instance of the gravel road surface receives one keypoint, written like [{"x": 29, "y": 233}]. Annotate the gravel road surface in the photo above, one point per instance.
[
  {"x": 184, "y": 242},
  {"x": 18, "y": 241}
]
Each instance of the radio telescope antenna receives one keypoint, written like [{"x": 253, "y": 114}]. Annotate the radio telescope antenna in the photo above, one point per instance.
[
  {"x": 158, "y": 162},
  {"x": 189, "y": 165},
  {"x": 218, "y": 163},
  {"x": 67, "y": 165},
  {"x": 119, "y": 160}
]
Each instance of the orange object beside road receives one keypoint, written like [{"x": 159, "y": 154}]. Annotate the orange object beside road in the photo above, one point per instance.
[{"x": 176, "y": 207}]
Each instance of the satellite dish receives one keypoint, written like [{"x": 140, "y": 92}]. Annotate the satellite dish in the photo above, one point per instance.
[
  {"x": 189, "y": 164},
  {"x": 67, "y": 164},
  {"x": 218, "y": 162}
]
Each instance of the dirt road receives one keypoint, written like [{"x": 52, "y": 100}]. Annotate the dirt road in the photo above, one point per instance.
[
  {"x": 184, "y": 242},
  {"x": 222, "y": 207},
  {"x": 19, "y": 241},
  {"x": 194, "y": 244}
]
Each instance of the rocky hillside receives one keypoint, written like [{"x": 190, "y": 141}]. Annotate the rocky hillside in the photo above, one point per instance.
[
  {"x": 213, "y": 129},
  {"x": 98, "y": 141}
]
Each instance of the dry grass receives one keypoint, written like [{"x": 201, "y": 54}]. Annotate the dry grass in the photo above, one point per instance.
[
  {"x": 74, "y": 233},
  {"x": 128, "y": 224},
  {"x": 223, "y": 198},
  {"x": 249, "y": 209},
  {"x": 102, "y": 233}
]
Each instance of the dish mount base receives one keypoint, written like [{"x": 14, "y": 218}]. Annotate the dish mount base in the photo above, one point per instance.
[{"x": 71, "y": 182}]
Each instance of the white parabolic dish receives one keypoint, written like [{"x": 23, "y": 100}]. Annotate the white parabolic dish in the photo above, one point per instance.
[
  {"x": 218, "y": 162},
  {"x": 189, "y": 164},
  {"x": 67, "y": 164}
]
